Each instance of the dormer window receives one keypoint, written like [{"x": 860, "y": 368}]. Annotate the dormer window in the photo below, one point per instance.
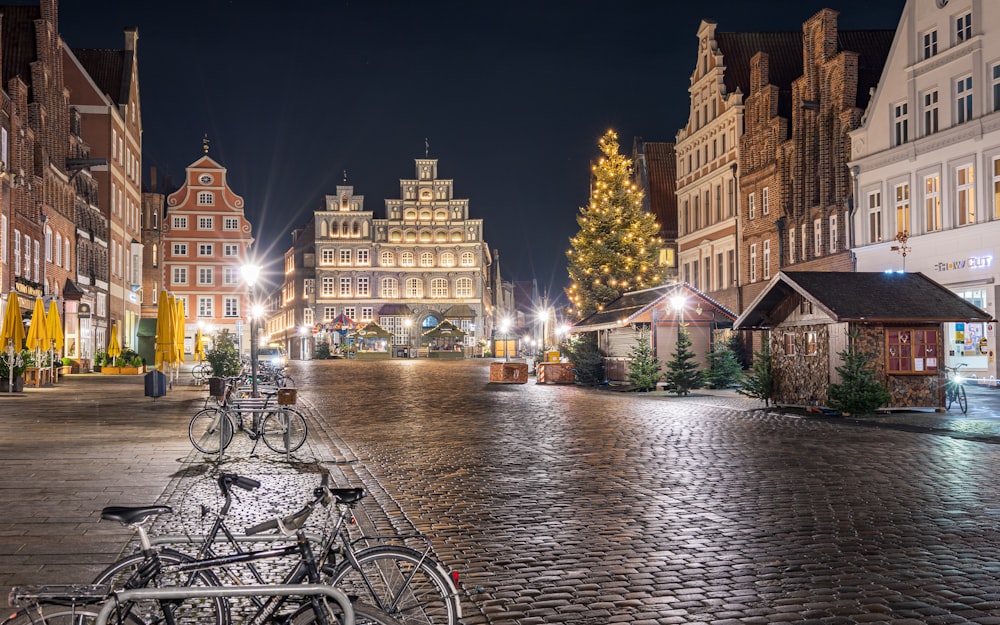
[{"x": 206, "y": 198}]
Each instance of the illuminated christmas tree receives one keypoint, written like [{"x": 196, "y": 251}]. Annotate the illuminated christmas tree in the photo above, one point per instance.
[{"x": 616, "y": 248}]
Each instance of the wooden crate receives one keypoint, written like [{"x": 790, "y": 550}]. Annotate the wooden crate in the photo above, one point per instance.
[{"x": 509, "y": 372}]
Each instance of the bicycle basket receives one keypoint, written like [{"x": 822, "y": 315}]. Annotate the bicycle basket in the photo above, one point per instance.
[
  {"x": 287, "y": 396},
  {"x": 216, "y": 387}
]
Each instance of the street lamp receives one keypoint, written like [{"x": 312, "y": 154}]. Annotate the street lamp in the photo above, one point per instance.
[
  {"x": 250, "y": 274},
  {"x": 504, "y": 329}
]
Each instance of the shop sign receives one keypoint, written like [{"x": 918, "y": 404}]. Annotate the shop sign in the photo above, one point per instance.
[{"x": 972, "y": 262}]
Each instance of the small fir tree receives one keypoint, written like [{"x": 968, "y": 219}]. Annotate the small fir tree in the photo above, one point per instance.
[
  {"x": 723, "y": 368},
  {"x": 586, "y": 357},
  {"x": 223, "y": 356},
  {"x": 617, "y": 245},
  {"x": 682, "y": 373},
  {"x": 643, "y": 367},
  {"x": 859, "y": 391},
  {"x": 759, "y": 383}
]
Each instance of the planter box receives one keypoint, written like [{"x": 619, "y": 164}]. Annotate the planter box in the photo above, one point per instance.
[
  {"x": 64, "y": 370},
  {"x": 18, "y": 384},
  {"x": 106, "y": 370}
]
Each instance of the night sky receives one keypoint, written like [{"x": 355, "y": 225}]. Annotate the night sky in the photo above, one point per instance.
[{"x": 511, "y": 96}]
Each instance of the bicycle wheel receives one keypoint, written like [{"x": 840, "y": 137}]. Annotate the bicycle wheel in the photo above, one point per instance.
[
  {"x": 963, "y": 401},
  {"x": 55, "y": 614},
  {"x": 401, "y": 582},
  {"x": 284, "y": 430},
  {"x": 286, "y": 381},
  {"x": 363, "y": 615},
  {"x": 122, "y": 575},
  {"x": 204, "y": 430}
]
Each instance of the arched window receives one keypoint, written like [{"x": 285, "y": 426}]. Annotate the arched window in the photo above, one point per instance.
[
  {"x": 387, "y": 259},
  {"x": 48, "y": 244},
  {"x": 426, "y": 259},
  {"x": 414, "y": 287},
  {"x": 463, "y": 287},
  {"x": 447, "y": 259},
  {"x": 59, "y": 250},
  {"x": 406, "y": 259},
  {"x": 439, "y": 287},
  {"x": 468, "y": 259},
  {"x": 430, "y": 322}
]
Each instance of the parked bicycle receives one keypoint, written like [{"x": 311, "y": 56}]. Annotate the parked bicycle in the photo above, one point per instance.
[
  {"x": 390, "y": 579},
  {"x": 200, "y": 372},
  {"x": 954, "y": 389},
  {"x": 282, "y": 428}
]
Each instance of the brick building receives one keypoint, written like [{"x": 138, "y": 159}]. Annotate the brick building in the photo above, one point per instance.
[
  {"x": 206, "y": 243},
  {"x": 795, "y": 186},
  {"x": 654, "y": 164}
]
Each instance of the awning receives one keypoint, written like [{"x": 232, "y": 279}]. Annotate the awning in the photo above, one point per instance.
[
  {"x": 460, "y": 311},
  {"x": 395, "y": 310}
]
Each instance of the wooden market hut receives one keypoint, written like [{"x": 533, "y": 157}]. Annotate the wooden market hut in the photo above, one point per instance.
[
  {"x": 372, "y": 342},
  {"x": 808, "y": 316},
  {"x": 444, "y": 341},
  {"x": 660, "y": 311}
]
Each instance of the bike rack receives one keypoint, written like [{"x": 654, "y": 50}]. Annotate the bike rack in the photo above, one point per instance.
[
  {"x": 209, "y": 592},
  {"x": 251, "y": 405}
]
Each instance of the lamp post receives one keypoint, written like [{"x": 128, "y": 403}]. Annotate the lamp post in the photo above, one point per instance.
[{"x": 250, "y": 274}]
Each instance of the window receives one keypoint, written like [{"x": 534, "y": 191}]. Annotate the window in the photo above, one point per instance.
[
  {"x": 180, "y": 275},
  {"x": 963, "y": 100},
  {"x": 996, "y": 87},
  {"x": 345, "y": 286},
  {"x": 48, "y": 244},
  {"x": 389, "y": 288},
  {"x": 720, "y": 269},
  {"x": 363, "y": 287},
  {"x": 326, "y": 256},
  {"x": 463, "y": 287},
  {"x": 767, "y": 259},
  {"x": 17, "y": 252},
  {"x": 205, "y": 249},
  {"x": 349, "y": 312},
  {"x": 205, "y": 307},
  {"x": 180, "y": 249},
  {"x": 903, "y": 208},
  {"x": 834, "y": 234},
  {"x": 930, "y": 44},
  {"x": 367, "y": 312},
  {"x": 345, "y": 258},
  {"x": 764, "y": 201},
  {"x": 789, "y": 343},
  {"x": 180, "y": 223},
  {"x": 206, "y": 276},
  {"x": 364, "y": 257},
  {"x": 901, "y": 123},
  {"x": 752, "y": 205},
  {"x": 329, "y": 313},
  {"x": 231, "y": 250},
  {"x": 447, "y": 259},
  {"x": 231, "y": 276},
  {"x": 932, "y": 203},
  {"x": 414, "y": 287},
  {"x": 326, "y": 286},
  {"x": 753, "y": 262},
  {"x": 230, "y": 306},
  {"x": 996, "y": 187},
  {"x": 930, "y": 112},
  {"x": 732, "y": 266},
  {"x": 818, "y": 237},
  {"x": 406, "y": 259},
  {"x": 966, "y": 204},
  {"x": 3, "y": 238},
  {"x": 308, "y": 317},
  {"x": 387, "y": 259},
  {"x": 874, "y": 216},
  {"x": 206, "y": 223},
  {"x": 911, "y": 350},
  {"x": 231, "y": 223},
  {"x": 963, "y": 28},
  {"x": 426, "y": 259},
  {"x": 439, "y": 287},
  {"x": 805, "y": 239},
  {"x": 812, "y": 345},
  {"x": 206, "y": 198},
  {"x": 791, "y": 245}
]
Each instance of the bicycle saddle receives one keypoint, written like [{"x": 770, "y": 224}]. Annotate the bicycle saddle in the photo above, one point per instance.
[{"x": 132, "y": 514}]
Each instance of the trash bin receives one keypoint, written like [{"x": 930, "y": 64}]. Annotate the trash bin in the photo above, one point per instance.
[{"x": 156, "y": 384}]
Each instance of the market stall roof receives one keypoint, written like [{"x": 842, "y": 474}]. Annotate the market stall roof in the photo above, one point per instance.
[
  {"x": 460, "y": 311},
  {"x": 394, "y": 310},
  {"x": 632, "y": 305},
  {"x": 860, "y": 296},
  {"x": 443, "y": 329},
  {"x": 372, "y": 331}
]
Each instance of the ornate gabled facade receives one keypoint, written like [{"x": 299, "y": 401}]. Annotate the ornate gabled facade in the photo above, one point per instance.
[
  {"x": 424, "y": 263},
  {"x": 655, "y": 174},
  {"x": 206, "y": 241},
  {"x": 926, "y": 161},
  {"x": 795, "y": 187}
]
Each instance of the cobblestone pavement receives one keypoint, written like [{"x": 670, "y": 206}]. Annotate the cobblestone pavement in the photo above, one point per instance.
[
  {"x": 569, "y": 505},
  {"x": 556, "y": 504}
]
